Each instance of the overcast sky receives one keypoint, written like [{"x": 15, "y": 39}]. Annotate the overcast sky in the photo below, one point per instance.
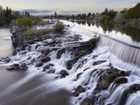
[{"x": 69, "y": 5}]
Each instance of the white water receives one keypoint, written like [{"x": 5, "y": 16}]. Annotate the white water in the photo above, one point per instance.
[{"x": 89, "y": 75}]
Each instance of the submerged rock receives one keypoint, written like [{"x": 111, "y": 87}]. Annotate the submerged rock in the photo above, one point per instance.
[
  {"x": 51, "y": 71},
  {"x": 39, "y": 64},
  {"x": 59, "y": 53},
  {"x": 17, "y": 67},
  {"x": 45, "y": 59},
  {"x": 78, "y": 90},
  {"x": 63, "y": 73},
  {"x": 99, "y": 62}
]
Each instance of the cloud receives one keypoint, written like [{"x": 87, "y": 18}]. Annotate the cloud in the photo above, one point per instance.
[{"x": 69, "y": 5}]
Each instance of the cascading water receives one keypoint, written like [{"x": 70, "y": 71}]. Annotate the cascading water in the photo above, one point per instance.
[
  {"x": 86, "y": 71},
  {"x": 126, "y": 52}
]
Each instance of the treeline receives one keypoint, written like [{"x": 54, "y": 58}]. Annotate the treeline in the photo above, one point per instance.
[
  {"x": 109, "y": 16},
  {"x": 9, "y": 17},
  {"x": 6, "y": 16},
  {"x": 82, "y": 16}
]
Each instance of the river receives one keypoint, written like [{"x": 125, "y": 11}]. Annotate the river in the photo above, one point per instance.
[{"x": 34, "y": 87}]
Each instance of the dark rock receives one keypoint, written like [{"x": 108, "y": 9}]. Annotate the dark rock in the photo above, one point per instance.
[
  {"x": 94, "y": 56},
  {"x": 109, "y": 76},
  {"x": 46, "y": 67},
  {"x": 37, "y": 46},
  {"x": 75, "y": 93},
  {"x": 51, "y": 71},
  {"x": 7, "y": 59},
  {"x": 17, "y": 67},
  {"x": 86, "y": 101},
  {"x": 64, "y": 73},
  {"x": 46, "y": 59},
  {"x": 45, "y": 52},
  {"x": 78, "y": 90},
  {"x": 59, "y": 53},
  {"x": 51, "y": 64},
  {"x": 70, "y": 63},
  {"x": 99, "y": 62},
  {"x": 121, "y": 80},
  {"x": 33, "y": 61},
  {"x": 23, "y": 67},
  {"x": 39, "y": 64},
  {"x": 81, "y": 49}
]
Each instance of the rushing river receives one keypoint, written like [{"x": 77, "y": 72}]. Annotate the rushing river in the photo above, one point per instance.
[{"x": 38, "y": 87}]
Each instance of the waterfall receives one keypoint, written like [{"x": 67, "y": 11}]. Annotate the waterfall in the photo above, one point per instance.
[{"x": 126, "y": 52}]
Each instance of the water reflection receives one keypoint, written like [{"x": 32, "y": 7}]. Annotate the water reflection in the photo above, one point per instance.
[{"x": 108, "y": 28}]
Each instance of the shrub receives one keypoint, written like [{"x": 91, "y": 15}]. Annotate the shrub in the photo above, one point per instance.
[
  {"x": 24, "y": 21},
  {"x": 105, "y": 19},
  {"x": 59, "y": 27},
  {"x": 29, "y": 33}
]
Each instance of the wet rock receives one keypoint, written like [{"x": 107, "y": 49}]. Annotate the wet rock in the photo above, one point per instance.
[
  {"x": 109, "y": 76},
  {"x": 23, "y": 67},
  {"x": 46, "y": 59},
  {"x": 63, "y": 73},
  {"x": 86, "y": 101},
  {"x": 132, "y": 89},
  {"x": 17, "y": 67},
  {"x": 46, "y": 67},
  {"x": 7, "y": 59},
  {"x": 51, "y": 71},
  {"x": 51, "y": 64},
  {"x": 99, "y": 62},
  {"x": 70, "y": 63},
  {"x": 78, "y": 90},
  {"x": 81, "y": 49},
  {"x": 33, "y": 61},
  {"x": 59, "y": 53},
  {"x": 76, "y": 94},
  {"x": 37, "y": 46},
  {"x": 121, "y": 80},
  {"x": 94, "y": 56},
  {"x": 45, "y": 52},
  {"x": 39, "y": 64}
]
